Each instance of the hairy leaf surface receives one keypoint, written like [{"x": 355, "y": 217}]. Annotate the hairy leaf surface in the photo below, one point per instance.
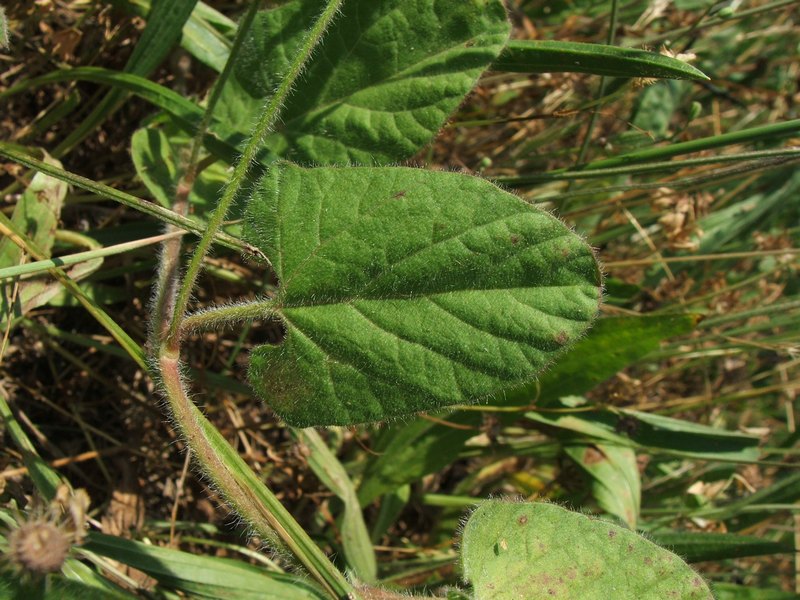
[
  {"x": 536, "y": 550},
  {"x": 380, "y": 86},
  {"x": 404, "y": 290}
]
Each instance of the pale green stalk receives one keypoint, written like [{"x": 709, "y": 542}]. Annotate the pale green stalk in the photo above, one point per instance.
[{"x": 79, "y": 257}]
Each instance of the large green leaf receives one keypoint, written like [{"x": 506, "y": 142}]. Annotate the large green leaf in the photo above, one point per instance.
[
  {"x": 535, "y": 550},
  {"x": 404, "y": 290},
  {"x": 381, "y": 84}
]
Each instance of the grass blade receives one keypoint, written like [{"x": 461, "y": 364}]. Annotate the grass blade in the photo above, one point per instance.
[{"x": 547, "y": 56}]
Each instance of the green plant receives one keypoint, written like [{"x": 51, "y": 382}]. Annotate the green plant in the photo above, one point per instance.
[{"x": 399, "y": 290}]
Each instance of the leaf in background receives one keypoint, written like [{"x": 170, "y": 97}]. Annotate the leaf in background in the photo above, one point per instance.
[
  {"x": 694, "y": 546},
  {"x": 616, "y": 484},
  {"x": 157, "y": 157},
  {"x": 407, "y": 452},
  {"x": 404, "y": 290},
  {"x": 740, "y": 220},
  {"x": 202, "y": 576},
  {"x": 36, "y": 215},
  {"x": 355, "y": 538},
  {"x": 612, "y": 344},
  {"x": 549, "y": 56},
  {"x": 656, "y": 433},
  {"x": 203, "y": 34},
  {"x": 655, "y": 111},
  {"x": 535, "y": 550},
  {"x": 383, "y": 82}
]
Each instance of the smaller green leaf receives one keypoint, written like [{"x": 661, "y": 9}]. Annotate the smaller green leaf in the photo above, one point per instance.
[
  {"x": 160, "y": 159},
  {"x": 616, "y": 484},
  {"x": 696, "y": 546},
  {"x": 546, "y": 56},
  {"x": 382, "y": 83},
  {"x": 542, "y": 551},
  {"x": 37, "y": 214}
]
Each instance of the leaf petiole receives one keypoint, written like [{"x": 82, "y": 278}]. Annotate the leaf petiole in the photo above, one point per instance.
[{"x": 217, "y": 317}]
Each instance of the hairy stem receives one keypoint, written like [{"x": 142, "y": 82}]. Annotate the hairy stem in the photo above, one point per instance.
[
  {"x": 168, "y": 284},
  {"x": 221, "y": 316},
  {"x": 240, "y": 487},
  {"x": 237, "y": 483},
  {"x": 265, "y": 123}
]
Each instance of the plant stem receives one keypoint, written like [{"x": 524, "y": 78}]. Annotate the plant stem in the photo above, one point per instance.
[
  {"x": 266, "y": 122},
  {"x": 240, "y": 487},
  {"x": 169, "y": 278},
  {"x": 214, "y": 318},
  {"x": 237, "y": 483}
]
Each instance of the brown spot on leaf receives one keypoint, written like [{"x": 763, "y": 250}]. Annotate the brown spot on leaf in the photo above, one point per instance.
[
  {"x": 562, "y": 337},
  {"x": 648, "y": 560},
  {"x": 592, "y": 456},
  {"x": 514, "y": 239},
  {"x": 399, "y": 194},
  {"x": 612, "y": 534},
  {"x": 522, "y": 520}
]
